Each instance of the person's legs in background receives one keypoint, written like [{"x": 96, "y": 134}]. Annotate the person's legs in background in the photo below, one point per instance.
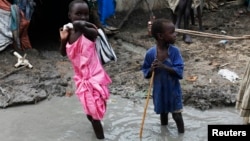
[
  {"x": 248, "y": 7},
  {"x": 93, "y": 15},
  {"x": 106, "y": 9}
]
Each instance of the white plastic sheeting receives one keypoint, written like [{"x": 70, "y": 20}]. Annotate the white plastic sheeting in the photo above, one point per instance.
[{"x": 229, "y": 75}]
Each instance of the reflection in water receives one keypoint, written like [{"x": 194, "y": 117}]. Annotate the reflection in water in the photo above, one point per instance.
[{"x": 123, "y": 122}]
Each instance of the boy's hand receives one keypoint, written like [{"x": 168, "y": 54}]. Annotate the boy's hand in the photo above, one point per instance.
[{"x": 157, "y": 64}]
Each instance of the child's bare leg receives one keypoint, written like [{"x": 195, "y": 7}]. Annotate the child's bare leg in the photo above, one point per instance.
[
  {"x": 179, "y": 122},
  {"x": 97, "y": 126},
  {"x": 90, "y": 118},
  {"x": 187, "y": 38},
  {"x": 164, "y": 118}
]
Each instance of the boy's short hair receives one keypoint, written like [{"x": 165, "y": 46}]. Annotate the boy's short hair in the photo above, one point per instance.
[{"x": 157, "y": 26}]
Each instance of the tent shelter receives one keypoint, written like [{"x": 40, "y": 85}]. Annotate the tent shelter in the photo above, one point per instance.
[{"x": 50, "y": 15}]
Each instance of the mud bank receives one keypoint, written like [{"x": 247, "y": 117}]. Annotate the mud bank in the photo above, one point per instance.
[
  {"x": 52, "y": 73},
  {"x": 52, "y": 76}
]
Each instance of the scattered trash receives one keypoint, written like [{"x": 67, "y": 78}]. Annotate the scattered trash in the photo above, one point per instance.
[
  {"x": 223, "y": 41},
  {"x": 241, "y": 11},
  {"x": 112, "y": 101},
  {"x": 223, "y": 65},
  {"x": 223, "y": 32},
  {"x": 69, "y": 94},
  {"x": 222, "y": 3},
  {"x": 21, "y": 61},
  {"x": 192, "y": 78},
  {"x": 215, "y": 64},
  {"x": 231, "y": 76}
]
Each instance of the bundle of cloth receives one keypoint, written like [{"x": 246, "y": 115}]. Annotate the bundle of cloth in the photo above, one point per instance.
[
  {"x": 14, "y": 24},
  {"x": 5, "y": 32}
]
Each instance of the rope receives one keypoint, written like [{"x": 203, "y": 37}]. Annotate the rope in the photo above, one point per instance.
[{"x": 211, "y": 35}]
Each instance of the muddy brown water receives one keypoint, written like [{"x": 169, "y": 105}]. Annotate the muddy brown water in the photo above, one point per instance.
[{"x": 62, "y": 119}]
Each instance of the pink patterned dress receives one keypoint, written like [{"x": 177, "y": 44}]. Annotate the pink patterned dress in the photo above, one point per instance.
[{"x": 90, "y": 77}]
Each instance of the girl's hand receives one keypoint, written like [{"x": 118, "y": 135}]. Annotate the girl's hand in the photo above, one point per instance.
[
  {"x": 83, "y": 25},
  {"x": 90, "y": 25},
  {"x": 64, "y": 34},
  {"x": 88, "y": 29}
]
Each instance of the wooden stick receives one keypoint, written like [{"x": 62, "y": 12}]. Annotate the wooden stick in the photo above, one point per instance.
[
  {"x": 211, "y": 35},
  {"x": 223, "y": 65},
  {"x": 146, "y": 106},
  {"x": 12, "y": 72}
]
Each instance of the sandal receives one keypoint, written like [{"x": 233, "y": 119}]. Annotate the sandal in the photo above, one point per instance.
[{"x": 111, "y": 28}]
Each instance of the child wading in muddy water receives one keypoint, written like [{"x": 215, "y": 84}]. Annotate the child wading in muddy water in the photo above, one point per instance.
[
  {"x": 78, "y": 43},
  {"x": 166, "y": 61}
]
